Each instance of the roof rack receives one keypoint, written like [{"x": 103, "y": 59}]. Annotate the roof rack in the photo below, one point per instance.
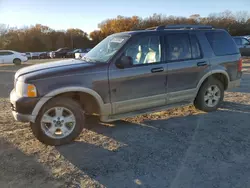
[
  {"x": 180, "y": 26},
  {"x": 152, "y": 28}
]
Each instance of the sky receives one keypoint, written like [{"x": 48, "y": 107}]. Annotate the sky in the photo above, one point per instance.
[{"x": 86, "y": 14}]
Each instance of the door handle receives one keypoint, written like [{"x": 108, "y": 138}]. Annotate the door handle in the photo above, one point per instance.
[
  {"x": 203, "y": 63},
  {"x": 159, "y": 69}
]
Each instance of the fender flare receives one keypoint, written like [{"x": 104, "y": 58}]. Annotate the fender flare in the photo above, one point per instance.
[
  {"x": 211, "y": 73},
  {"x": 53, "y": 93}
]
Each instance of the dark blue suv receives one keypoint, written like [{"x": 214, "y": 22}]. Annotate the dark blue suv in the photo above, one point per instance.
[{"x": 127, "y": 74}]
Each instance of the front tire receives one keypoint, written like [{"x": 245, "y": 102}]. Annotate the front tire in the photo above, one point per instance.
[
  {"x": 59, "y": 122},
  {"x": 210, "y": 95},
  {"x": 17, "y": 61}
]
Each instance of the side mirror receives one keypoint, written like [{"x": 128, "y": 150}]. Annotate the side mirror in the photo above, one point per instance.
[{"x": 124, "y": 62}]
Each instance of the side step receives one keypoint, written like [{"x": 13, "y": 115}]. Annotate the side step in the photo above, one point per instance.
[{"x": 143, "y": 111}]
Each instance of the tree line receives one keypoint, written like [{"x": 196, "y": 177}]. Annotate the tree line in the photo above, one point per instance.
[{"x": 43, "y": 38}]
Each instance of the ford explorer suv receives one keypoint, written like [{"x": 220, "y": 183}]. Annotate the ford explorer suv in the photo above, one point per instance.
[{"x": 127, "y": 74}]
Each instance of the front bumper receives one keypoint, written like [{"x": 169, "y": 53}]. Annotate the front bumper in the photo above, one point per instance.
[
  {"x": 25, "y": 59},
  {"x": 22, "y": 107},
  {"x": 23, "y": 117}
]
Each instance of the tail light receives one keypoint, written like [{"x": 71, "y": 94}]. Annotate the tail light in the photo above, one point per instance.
[{"x": 240, "y": 65}]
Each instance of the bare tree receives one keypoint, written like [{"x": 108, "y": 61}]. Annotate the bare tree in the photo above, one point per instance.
[{"x": 242, "y": 16}]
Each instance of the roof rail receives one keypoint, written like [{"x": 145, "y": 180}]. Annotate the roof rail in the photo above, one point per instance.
[
  {"x": 180, "y": 26},
  {"x": 189, "y": 26},
  {"x": 151, "y": 28}
]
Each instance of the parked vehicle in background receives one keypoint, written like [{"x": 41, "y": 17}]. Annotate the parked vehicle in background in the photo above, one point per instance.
[
  {"x": 71, "y": 54},
  {"x": 243, "y": 44},
  {"x": 43, "y": 55},
  {"x": 9, "y": 56},
  {"x": 247, "y": 37},
  {"x": 60, "y": 53},
  {"x": 82, "y": 53},
  {"x": 28, "y": 55},
  {"x": 127, "y": 74},
  {"x": 35, "y": 55}
]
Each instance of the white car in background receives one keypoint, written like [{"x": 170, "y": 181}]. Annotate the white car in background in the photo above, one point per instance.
[
  {"x": 82, "y": 53},
  {"x": 9, "y": 57}
]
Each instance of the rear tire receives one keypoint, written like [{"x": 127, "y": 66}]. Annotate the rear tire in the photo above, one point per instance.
[
  {"x": 17, "y": 61},
  {"x": 45, "y": 136},
  {"x": 210, "y": 95}
]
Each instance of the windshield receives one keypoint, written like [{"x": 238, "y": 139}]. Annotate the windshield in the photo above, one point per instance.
[
  {"x": 59, "y": 50},
  {"x": 76, "y": 50},
  {"x": 103, "y": 51}
]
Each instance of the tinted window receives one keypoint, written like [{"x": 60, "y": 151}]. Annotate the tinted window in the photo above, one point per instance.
[
  {"x": 221, "y": 43},
  {"x": 237, "y": 41},
  {"x": 6, "y": 53},
  {"x": 245, "y": 42},
  {"x": 196, "y": 52},
  {"x": 178, "y": 47},
  {"x": 145, "y": 50}
]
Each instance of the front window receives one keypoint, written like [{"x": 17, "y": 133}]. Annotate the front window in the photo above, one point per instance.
[
  {"x": 103, "y": 51},
  {"x": 144, "y": 50}
]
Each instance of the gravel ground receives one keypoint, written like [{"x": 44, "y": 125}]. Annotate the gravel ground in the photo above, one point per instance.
[{"x": 178, "y": 148}]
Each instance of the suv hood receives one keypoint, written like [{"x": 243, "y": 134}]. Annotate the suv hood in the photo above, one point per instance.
[{"x": 44, "y": 66}]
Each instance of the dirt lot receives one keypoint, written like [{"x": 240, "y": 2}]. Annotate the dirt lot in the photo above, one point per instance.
[{"x": 177, "y": 148}]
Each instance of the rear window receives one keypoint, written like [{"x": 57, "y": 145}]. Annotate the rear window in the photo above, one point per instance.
[{"x": 222, "y": 43}]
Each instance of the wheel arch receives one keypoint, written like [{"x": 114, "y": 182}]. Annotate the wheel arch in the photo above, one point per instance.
[
  {"x": 221, "y": 75},
  {"x": 66, "y": 90},
  {"x": 16, "y": 58}
]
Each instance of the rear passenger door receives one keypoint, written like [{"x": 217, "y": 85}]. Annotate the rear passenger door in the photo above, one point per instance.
[{"x": 186, "y": 66}]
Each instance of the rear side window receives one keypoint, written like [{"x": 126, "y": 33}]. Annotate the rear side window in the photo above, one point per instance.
[
  {"x": 8, "y": 53},
  {"x": 221, "y": 43},
  {"x": 178, "y": 47},
  {"x": 5, "y": 53},
  {"x": 237, "y": 41}
]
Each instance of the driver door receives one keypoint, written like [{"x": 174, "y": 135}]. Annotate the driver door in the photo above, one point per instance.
[{"x": 143, "y": 84}]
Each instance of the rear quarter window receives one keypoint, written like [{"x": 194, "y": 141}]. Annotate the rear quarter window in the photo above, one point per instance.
[
  {"x": 222, "y": 43},
  {"x": 237, "y": 41}
]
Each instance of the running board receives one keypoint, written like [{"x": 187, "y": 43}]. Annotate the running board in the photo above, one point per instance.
[{"x": 143, "y": 111}]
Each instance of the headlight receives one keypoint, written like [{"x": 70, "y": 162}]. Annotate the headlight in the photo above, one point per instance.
[{"x": 25, "y": 90}]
